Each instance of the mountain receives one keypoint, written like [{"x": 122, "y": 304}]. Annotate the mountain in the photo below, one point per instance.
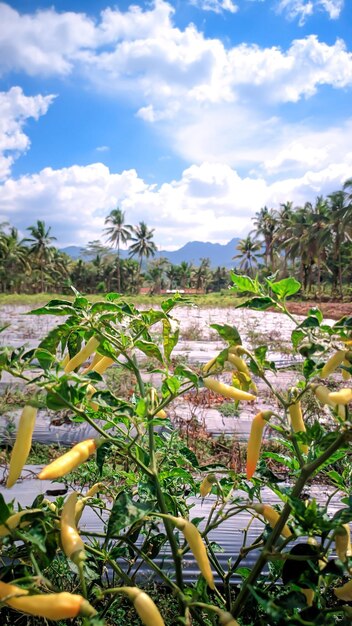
[{"x": 191, "y": 252}]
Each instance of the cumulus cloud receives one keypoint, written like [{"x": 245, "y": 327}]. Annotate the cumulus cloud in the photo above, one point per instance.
[
  {"x": 217, "y": 6},
  {"x": 162, "y": 68},
  {"x": 302, "y": 9},
  {"x": 15, "y": 110},
  {"x": 210, "y": 199}
]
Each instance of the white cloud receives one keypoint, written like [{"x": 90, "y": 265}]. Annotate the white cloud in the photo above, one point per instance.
[
  {"x": 302, "y": 9},
  {"x": 210, "y": 199},
  {"x": 15, "y": 110},
  {"x": 162, "y": 68},
  {"x": 217, "y": 6}
]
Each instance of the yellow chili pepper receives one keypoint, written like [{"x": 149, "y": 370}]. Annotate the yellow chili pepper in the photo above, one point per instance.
[
  {"x": 90, "y": 392},
  {"x": 239, "y": 363},
  {"x": 298, "y": 426},
  {"x": 272, "y": 516},
  {"x": 196, "y": 544},
  {"x": 22, "y": 446},
  {"x": 65, "y": 360},
  {"x": 333, "y": 363},
  {"x": 323, "y": 395},
  {"x": 161, "y": 414},
  {"x": 309, "y": 594},
  {"x": 207, "y": 484},
  {"x": 226, "y": 619},
  {"x": 343, "y": 396},
  {"x": 82, "y": 355},
  {"x": 82, "y": 501},
  {"x": 52, "y": 606},
  {"x": 212, "y": 365},
  {"x": 227, "y": 391},
  {"x": 69, "y": 461},
  {"x": 144, "y": 605},
  {"x": 343, "y": 542},
  {"x": 50, "y": 505},
  {"x": 255, "y": 441},
  {"x": 14, "y": 521},
  {"x": 72, "y": 543},
  {"x": 103, "y": 365},
  {"x": 344, "y": 592}
]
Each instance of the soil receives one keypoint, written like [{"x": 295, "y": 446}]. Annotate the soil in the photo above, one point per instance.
[{"x": 330, "y": 310}]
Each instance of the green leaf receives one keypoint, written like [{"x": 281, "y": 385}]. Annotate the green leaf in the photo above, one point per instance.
[
  {"x": 103, "y": 306},
  {"x": 286, "y": 287},
  {"x": 309, "y": 368},
  {"x": 244, "y": 283},
  {"x": 101, "y": 455},
  {"x": 296, "y": 337},
  {"x": 54, "y": 307},
  {"x": 317, "y": 313},
  {"x": 170, "y": 303},
  {"x": 185, "y": 372},
  {"x": 257, "y": 303},
  {"x": 228, "y": 333},
  {"x": 149, "y": 349},
  {"x": 126, "y": 512},
  {"x": 190, "y": 456},
  {"x": 4, "y": 510},
  {"x": 171, "y": 332},
  {"x": 45, "y": 358}
]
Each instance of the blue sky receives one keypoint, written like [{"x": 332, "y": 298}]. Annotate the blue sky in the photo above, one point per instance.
[{"x": 189, "y": 114}]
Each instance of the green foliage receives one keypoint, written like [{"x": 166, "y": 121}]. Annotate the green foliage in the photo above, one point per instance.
[{"x": 147, "y": 472}]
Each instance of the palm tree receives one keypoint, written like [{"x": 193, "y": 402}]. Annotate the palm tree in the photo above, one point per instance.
[
  {"x": 40, "y": 246},
  {"x": 117, "y": 233},
  {"x": 266, "y": 224},
  {"x": 13, "y": 259},
  {"x": 248, "y": 253},
  {"x": 202, "y": 274},
  {"x": 143, "y": 246}
]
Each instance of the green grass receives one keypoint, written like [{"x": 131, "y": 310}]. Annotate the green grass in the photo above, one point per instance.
[{"x": 219, "y": 299}]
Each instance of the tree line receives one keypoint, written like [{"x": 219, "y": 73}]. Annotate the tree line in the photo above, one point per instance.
[{"x": 311, "y": 242}]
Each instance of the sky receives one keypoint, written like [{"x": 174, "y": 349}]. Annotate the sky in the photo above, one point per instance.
[{"x": 190, "y": 115}]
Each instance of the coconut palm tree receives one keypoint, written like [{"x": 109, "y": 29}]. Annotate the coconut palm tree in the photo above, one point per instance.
[
  {"x": 143, "y": 246},
  {"x": 118, "y": 232},
  {"x": 13, "y": 260},
  {"x": 248, "y": 254},
  {"x": 266, "y": 224},
  {"x": 40, "y": 246}
]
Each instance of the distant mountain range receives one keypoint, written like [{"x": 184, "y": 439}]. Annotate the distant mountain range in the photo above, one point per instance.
[{"x": 191, "y": 252}]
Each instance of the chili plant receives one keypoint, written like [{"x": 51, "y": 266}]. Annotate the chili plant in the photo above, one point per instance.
[{"x": 294, "y": 562}]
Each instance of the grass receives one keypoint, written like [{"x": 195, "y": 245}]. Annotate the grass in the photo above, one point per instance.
[{"x": 219, "y": 299}]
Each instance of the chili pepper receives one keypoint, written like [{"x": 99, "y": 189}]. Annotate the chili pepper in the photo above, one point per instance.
[
  {"x": 52, "y": 606},
  {"x": 345, "y": 374},
  {"x": 298, "y": 426},
  {"x": 309, "y": 595},
  {"x": 69, "y": 461},
  {"x": 206, "y": 485},
  {"x": 333, "y": 363},
  {"x": 343, "y": 396},
  {"x": 144, "y": 605},
  {"x": 226, "y": 619},
  {"x": 72, "y": 543},
  {"x": 239, "y": 363},
  {"x": 255, "y": 441},
  {"x": 227, "y": 391},
  {"x": 82, "y": 502},
  {"x": 272, "y": 516},
  {"x": 50, "y": 505},
  {"x": 14, "y": 521},
  {"x": 65, "y": 360},
  {"x": 161, "y": 414},
  {"x": 22, "y": 446},
  {"x": 82, "y": 355},
  {"x": 91, "y": 390},
  {"x": 343, "y": 542},
  {"x": 97, "y": 357},
  {"x": 212, "y": 365},
  {"x": 323, "y": 395},
  {"x": 103, "y": 364},
  {"x": 344, "y": 592},
  {"x": 197, "y": 547}
]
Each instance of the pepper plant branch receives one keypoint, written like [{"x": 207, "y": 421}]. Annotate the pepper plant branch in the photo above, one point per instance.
[{"x": 306, "y": 472}]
